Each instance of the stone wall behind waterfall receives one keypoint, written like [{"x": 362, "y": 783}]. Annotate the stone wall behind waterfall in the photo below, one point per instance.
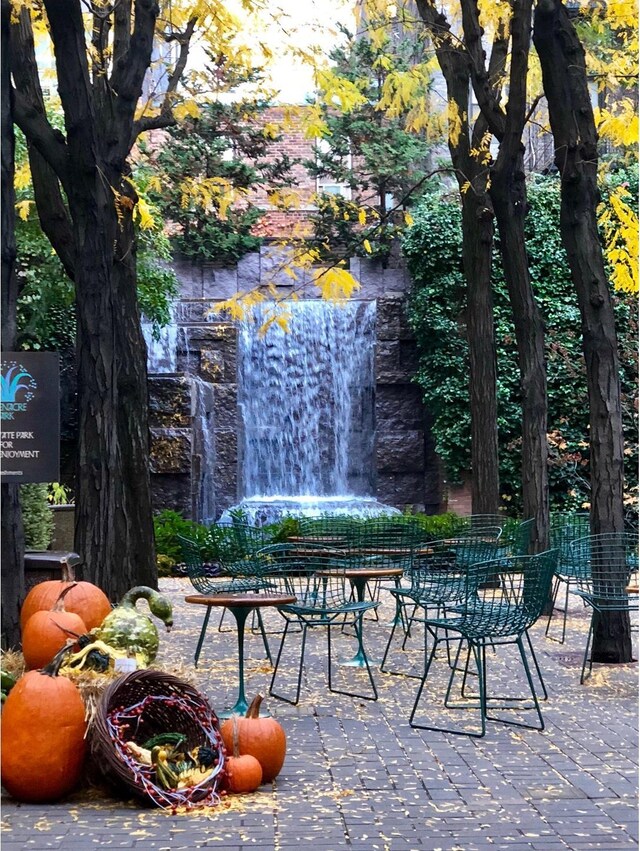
[{"x": 184, "y": 472}]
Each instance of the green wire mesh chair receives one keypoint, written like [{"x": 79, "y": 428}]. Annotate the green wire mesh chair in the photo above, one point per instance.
[
  {"x": 220, "y": 564},
  {"x": 384, "y": 543},
  {"x": 515, "y": 536},
  {"x": 438, "y": 577},
  {"x": 516, "y": 539},
  {"x": 316, "y": 576},
  {"x": 492, "y": 614},
  {"x": 330, "y": 530},
  {"x": 607, "y": 581},
  {"x": 564, "y": 529}
]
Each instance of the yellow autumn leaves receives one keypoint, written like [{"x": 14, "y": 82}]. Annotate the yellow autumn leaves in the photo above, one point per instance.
[{"x": 334, "y": 284}]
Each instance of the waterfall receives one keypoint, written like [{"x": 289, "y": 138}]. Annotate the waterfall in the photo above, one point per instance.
[
  {"x": 203, "y": 457},
  {"x": 306, "y": 401},
  {"x": 161, "y": 352}
]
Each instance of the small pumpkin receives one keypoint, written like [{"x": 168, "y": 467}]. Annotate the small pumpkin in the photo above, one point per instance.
[
  {"x": 243, "y": 773},
  {"x": 85, "y": 600},
  {"x": 263, "y": 738},
  {"x": 125, "y": 628},
  {"x": 43, "y": 735},
  {"x": 45, "y": 633}
]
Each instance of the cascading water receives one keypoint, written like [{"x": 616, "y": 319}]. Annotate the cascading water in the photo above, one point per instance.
[
  {"x": 306, "y": 398},
  {"x": 204, "y": 448},
  {"x": 161, "y": 349}
]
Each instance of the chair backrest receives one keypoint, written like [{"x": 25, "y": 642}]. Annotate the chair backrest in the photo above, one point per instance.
[
  {"x": 387, "y": 538},
  {"x": 200, "y": 571},
  {"x": 513, "y": 603},
  {"x": 315, "y": 575},
  {"x": 610, "y": 561},
  {"x": 240, "y": 539},
  {"x": 222, "y": 551},
  {"x": 440, "y": 569},
  {"x": 564, "y": 529},
  {"x": 330, "y": 530},
  {"x": 518, "y": 537},
  {"x": 482, "y": 521}
]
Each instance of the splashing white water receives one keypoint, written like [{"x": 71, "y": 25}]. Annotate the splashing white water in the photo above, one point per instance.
[{"x": 306, "y": 400}]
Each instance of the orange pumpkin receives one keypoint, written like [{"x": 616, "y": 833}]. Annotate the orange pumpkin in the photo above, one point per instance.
[
  {"x": 243, "y": 773},
  {"x": 262, "y": 738},
  {"x": 85, "y": 600},
  {"x": 45, "y": 633},
  {"x": 43, "y": 729}
]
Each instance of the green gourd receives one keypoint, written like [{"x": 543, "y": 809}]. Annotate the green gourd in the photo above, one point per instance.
[{"x": 125, "y": 628}]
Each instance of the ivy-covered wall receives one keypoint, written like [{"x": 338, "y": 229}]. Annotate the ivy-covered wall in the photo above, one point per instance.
[{"x": 437, "y": 314}]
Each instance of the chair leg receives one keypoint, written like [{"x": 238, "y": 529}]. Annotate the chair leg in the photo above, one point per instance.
[
  {"x": 545, "y": 695},
  {"x": 466, "y": 671},
  {"x": 358, "y": 627},
  {"x": 481, "y": 705},
  {"x": 536, "y": 703},
  {"x": 264, "y": 636},
  {"x": 586, "y": 653},
  {"x": 455, "y": 668},
  {"x": 396, "y": 621},
  {"x": 407, "y": 632},
  {"x": 222, "y": 615},
  {"x": 275, "y": 670},
  {"x": 203, "y": 630},
  {"x": 558, "y": 581},
  {"x": 372, "y": 595}
]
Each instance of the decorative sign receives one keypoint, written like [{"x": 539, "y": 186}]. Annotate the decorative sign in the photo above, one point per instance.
[{"x": 30, "y": 417}]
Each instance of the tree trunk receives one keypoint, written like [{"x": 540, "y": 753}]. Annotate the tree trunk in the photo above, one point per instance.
[
  {"x": 571, "y": 115},
  {"x": 12, "y": 549},
  {"x": 477, "y": 256},
  {"x": 508, "y": 194},
  {"x": 114, "y": 526},
  {"x": 477, "y": 250},
  {"x": 113, "y": 505}
]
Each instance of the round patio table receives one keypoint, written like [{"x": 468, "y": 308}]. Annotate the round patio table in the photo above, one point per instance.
[
  {"x": 240, "y": 606},
  {"x": 359, "y": 576}
]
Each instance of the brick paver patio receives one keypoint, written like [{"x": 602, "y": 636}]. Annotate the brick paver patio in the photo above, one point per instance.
[{"x": 357, "y": 776}]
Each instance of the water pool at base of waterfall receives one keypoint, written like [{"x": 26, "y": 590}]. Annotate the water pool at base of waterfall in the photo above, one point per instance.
[{"x": 262, "y": 510}]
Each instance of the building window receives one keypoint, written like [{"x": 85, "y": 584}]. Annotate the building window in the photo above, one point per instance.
[{"x": 327, "y": 184}]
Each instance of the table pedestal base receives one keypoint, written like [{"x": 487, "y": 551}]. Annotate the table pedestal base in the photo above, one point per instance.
[{"x": 358, "y": 661}]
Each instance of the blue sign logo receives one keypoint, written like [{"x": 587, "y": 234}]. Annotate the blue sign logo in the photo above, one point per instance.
[{"x": 17, "y": 387}]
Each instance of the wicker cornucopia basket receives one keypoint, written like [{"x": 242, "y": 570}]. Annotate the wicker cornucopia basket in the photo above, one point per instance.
[{"x": 143, "y": 704}]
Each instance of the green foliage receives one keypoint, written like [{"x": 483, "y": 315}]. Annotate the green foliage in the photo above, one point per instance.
[
  {"x": 368, "y": 150},
  {"x": 58, "y": 494},
  {"x": 437, "y": 314},
  {"x": 280, "y": 532},
  {"x": 36, "y": 516},
  {"x": 157, "y": 283},
  {"x": 45, "y": 309},
  {"x": 167, "y": 525},
  {"x": 436, "y": 527}
]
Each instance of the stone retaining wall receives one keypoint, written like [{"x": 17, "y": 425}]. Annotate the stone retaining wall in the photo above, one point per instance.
[{"x": 407, "y": 469}]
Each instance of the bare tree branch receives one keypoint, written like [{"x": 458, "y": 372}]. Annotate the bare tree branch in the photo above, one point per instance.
[
  {"x": 121, "y": 30},
  {"x": 517, "y": 103},
  {"x": 483, "y": 86},
  {"x": 130, "y": 68},
  {"x": 52, "y": 210},
  {"x": 28, "y": 108},
  {"x": 166, "y": 119},
  {"x": 100, "y": 42}
]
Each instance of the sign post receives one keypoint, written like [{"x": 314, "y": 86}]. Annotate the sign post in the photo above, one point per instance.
[{"x": 30, "y": 417}]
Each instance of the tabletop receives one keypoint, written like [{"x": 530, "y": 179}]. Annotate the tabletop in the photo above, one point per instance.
[
  {"x": 247, "y": 600},
  {"x": 369, "y": 572}
]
